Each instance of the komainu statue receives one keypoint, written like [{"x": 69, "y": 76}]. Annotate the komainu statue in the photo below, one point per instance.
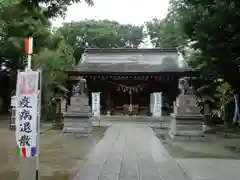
[
  {"x": 184, "y": 86},
  {"x": 80, "y": 87}
]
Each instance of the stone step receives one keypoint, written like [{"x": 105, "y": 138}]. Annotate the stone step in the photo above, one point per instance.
[
  {"x": 77, "y": 119},
  {"x": 83, "y": 109},
  {"x": 188, "y": 133},
  {"x": 76, "y": 115},
  {"x": 188, "y": 127},
  {"x": 187, "y": 138},
  {"x": 188, "y": 122},
  {"x": 187, "y": 116},
  {"x": 80, "y": 124},
  {"x": 84, "y": 130},
  {"x": 136, "y": 118}
]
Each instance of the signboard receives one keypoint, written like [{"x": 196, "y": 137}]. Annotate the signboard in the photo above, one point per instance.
[
  {"x": 26, "y": 113},
  {"x": 96, "y": 104},
  {"x": 157, "y": 104}
]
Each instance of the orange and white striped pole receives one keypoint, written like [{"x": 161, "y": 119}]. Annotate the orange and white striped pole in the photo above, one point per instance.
[{"x": 29, "y": 50}]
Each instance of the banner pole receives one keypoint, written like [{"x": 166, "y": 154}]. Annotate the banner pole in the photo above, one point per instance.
[
  {"x": 29, "y": 50},
  {"x": 29, "y": 64},
  {"x": 38, "y": 124}
]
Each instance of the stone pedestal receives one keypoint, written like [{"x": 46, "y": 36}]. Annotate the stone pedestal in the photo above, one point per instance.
[
  {"x": 186, "y": 120},
  {"x": 78, "y": 118}
]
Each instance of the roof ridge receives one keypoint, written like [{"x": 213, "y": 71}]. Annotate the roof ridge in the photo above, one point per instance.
[{"x": 129, "y": 50}]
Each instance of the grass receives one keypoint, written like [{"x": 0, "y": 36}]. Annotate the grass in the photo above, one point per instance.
[{"x": 60, "y": 155}]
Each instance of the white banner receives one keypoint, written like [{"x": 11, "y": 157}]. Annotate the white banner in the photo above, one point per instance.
[
  {"x": 157, "y": 104},
  {"x": 26, "y": 112},
  {"x": 96, "y": 104}
]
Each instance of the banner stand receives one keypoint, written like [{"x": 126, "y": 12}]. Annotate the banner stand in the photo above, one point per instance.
[
  {"x": 157, "y": 104},
  {"x": 29, "y": 163},
  {"x": 96, "y": 106}
]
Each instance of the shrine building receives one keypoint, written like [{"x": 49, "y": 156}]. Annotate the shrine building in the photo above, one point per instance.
[{"x": 126, "y": 78}]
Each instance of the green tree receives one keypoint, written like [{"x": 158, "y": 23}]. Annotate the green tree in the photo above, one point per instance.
[
  {"x": 168, "y": 32},
  {"x": 53, "y": 63},
  {"x": 52, "y": 8},
  {"x": 23, "y": 18},
  {"x": 214, "y": 29},
  {"x": 100, "y": 34},
  {"x": 16, "y": 24}
]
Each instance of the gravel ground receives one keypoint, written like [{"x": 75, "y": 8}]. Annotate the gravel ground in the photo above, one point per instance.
[
  {"x": 215, "y": 146},
  {"x": 60, "y": 155}
]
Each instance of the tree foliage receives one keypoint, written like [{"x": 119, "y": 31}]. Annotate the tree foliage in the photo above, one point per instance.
[
  {"x": 168, "y": 32},
  {"x": 100, "y": 34},
  {"x": 215, "y": 31},
  {"x": 51, "y": 8},
  {"x": 210, "y": 29},
  {"x": 53, "y": 63}
]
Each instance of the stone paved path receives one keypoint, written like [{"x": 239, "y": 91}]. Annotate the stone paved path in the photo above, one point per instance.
[{"x": 130, "y": 152}]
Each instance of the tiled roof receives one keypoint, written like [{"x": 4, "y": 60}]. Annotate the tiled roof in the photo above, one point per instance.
[{"x": 132, "y": 60}]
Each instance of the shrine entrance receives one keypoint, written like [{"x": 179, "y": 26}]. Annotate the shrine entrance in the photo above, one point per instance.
[
  {"x": 130, "y": 100},
  {"x": 130, "y": 95}
]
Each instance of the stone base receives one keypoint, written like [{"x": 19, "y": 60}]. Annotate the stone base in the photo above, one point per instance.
[
  {"x": 77, "y": 115},
  {"x": 81, "y": 108},
  {"x": 78, "y": 118},
  {"x": 82, "y": 131},
  {"x": 186, "y": 127},
  {"x": 77, "y": 123},
  {"x": 186, "y": 137}
]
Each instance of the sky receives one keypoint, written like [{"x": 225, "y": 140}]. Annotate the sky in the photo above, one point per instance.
[{"x": 124, "y": 11}]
